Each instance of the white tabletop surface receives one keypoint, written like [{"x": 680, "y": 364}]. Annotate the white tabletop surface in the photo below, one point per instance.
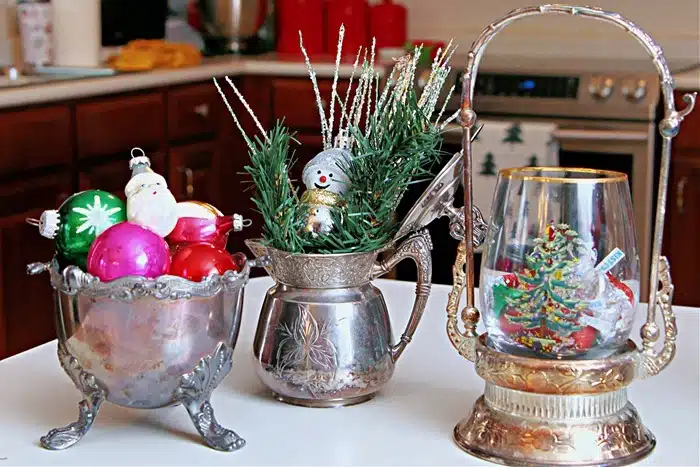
[{"x": 409, "y": 423}]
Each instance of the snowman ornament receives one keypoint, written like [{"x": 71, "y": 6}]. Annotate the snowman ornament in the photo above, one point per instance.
[
  {"x": 149, "y": 202},
  {"x": 326, "y": 184}
]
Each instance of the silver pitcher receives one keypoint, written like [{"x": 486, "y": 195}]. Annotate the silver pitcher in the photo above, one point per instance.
[
  {"x": 146, "y": 343},
  {"x": 324, "y": 337}
]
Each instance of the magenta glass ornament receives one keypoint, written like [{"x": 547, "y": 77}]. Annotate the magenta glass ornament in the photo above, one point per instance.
[{"x": 127, "y": 249}]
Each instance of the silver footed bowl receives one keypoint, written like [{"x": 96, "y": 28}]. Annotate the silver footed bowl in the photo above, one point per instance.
[{"x": 146, "y": 343}]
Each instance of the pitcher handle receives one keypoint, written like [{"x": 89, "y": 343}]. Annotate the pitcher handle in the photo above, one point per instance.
[{"x": 417, "y": 247}]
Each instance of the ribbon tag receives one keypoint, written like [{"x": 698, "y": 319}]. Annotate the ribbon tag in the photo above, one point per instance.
[{"x": 610, "y": 261}]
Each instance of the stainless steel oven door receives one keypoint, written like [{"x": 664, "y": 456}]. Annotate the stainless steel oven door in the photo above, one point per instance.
[{"x": 626, "y": 147}]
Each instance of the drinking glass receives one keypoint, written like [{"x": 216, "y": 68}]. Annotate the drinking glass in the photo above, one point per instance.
[{"x": 560, "y": 270}]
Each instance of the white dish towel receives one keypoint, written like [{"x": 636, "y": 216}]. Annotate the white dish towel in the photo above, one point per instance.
[{"x": 501, "y": 145}]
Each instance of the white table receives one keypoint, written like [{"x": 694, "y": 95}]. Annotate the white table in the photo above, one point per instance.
[{"x": 409, "y": 423}]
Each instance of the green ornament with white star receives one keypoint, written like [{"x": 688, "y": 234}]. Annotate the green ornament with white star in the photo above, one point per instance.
[{"x": 78, "y": 222}]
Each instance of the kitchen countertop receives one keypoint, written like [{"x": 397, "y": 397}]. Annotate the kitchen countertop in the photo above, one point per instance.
[
  {"x": 74, "y": 88},
  {"x": 688, "y": 81},
  {"x": 53, "y": 90},
  {"x": 409, "y": 423}
]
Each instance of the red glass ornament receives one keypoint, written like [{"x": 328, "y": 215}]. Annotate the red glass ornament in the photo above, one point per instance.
[
  {"x": 195, "y": 262},
  {"x": 387, "y": 24},
  {"x": 584, "y": 338},
  {"x": 190, "y": 230},
  {"x": 300, "y": 15},
  {"x": 354, "y": 14}
]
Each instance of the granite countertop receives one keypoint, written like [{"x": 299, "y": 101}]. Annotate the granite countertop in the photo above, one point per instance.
[{"x": 48, "y": 90}]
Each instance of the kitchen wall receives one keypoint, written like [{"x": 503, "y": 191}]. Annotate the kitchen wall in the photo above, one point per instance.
[{"x": 675, "y": 24}]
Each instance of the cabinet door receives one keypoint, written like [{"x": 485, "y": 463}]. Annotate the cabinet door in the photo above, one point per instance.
[
  {"x": 26, "y": 302},
  {"x": 113, "y": 176},
  {"x": 295, "y": 101},
  {"x": 193, "y": 111},
  {"x": 114, "y": 125},
  {"x": 193, "y": 172},
  {"x": 34, "y": 138},
  {"x": 683, "y": 219}
]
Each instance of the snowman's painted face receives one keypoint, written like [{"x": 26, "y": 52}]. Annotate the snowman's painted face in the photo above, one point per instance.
[{"x": 334, "y": 181}]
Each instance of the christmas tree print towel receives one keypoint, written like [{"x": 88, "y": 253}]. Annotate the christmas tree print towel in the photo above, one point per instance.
[{"x": 501, "y": 145}]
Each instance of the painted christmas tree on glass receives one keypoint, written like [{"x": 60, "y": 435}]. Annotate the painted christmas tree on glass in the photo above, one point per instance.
[
  {"x": 514, "y": 134},
  {"x": 539, "y": 307},
  {"x": 488, "y": 166}
]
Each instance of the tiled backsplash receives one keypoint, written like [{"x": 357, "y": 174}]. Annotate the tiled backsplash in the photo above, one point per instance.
[{"x": 675, "y": 24}]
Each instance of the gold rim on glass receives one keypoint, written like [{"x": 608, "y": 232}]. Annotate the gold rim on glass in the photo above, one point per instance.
[{"x": 529, "y": 173}]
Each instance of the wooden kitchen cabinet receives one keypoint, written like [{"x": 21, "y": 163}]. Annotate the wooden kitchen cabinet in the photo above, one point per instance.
[
  {"x": 193, "y": 173},
  {"x": 26, "y": 303},
  {"x": 682, "y": 227},
  {"x": 193, "y": 111},
  {"x": 35, "y": 138},
  {"x": 115, "y": 125},
  {"x": 683, "y": 220}
]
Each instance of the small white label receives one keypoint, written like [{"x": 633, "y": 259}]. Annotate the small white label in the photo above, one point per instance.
[
  {"x": 596, "y": 304},
  {"x": 610, "y": 261}
]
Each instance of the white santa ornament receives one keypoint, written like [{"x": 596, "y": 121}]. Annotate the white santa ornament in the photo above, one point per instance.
[
  {"x": 149, "y": 202},
  {"x": 326, "y": 184}
]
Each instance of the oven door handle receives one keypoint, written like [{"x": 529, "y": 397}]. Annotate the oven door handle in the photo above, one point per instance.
[
  {"x": 454, "y": 133},
  {"x": 599, "y": 135}
]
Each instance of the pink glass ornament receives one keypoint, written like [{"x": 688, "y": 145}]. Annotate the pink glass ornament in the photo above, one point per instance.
[{"x": 127, "y": 249}]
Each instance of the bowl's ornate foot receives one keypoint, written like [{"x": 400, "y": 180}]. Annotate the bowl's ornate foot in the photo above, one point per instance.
[
  {"x": 215, "y": 435},
  {"x": 94, "y": 395},
  {"x": 194, "y": 393}
]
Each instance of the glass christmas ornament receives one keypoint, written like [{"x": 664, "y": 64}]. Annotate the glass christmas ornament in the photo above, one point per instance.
[
  {"x": 198, "y": 261},
  {"x": 128, "y": 249},
  {"x": 190, "y": 230},
  {"x": 149, "y": 202},
  {"x": 560, "y": 277},
  {"x": 78, "y": 221}
]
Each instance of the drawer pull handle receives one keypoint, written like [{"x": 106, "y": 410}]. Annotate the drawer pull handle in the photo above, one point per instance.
[
  {"x": 202, "y": 110},
  {"x": 189, "y": 181},
  {"x": 680, "y": 194}
]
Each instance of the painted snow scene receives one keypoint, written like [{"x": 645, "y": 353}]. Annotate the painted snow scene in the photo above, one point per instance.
[{"x": 559, "y": 299}]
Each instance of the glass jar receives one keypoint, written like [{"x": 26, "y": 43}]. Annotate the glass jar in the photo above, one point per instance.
[{"x": 560, "y": 270}]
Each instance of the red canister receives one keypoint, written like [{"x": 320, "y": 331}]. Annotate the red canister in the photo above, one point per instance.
[
  {"x": 354, "y": 14},
  {"x": 388, "y": 24},
  {"x": 300, "y": 15}
]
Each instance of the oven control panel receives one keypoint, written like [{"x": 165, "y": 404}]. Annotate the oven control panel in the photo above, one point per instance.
[
  {"x": 617, "y": 96},
  {"x": 546, "y": 87}
]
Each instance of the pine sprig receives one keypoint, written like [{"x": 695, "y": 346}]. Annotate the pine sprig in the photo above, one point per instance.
[{"x": 275, "y": 197}]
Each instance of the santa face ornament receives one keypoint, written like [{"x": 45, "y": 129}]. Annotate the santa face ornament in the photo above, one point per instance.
[{"x": 149, "y": 202}]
